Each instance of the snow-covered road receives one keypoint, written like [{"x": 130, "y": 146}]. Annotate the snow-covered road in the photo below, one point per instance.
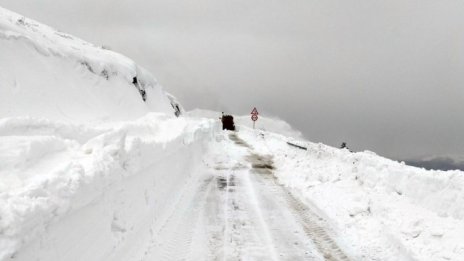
[
  {"x": 162, "y": 188},
  {"x": 236, "y": 210}
]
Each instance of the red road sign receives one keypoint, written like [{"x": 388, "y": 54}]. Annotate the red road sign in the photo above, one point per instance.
[
  {"x": 254, "y": 112},
  {"x": 254, "y": 117}
]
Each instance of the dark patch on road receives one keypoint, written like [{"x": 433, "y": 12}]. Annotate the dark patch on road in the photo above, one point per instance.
[
  {"x": 223, "y": 183},
  {"x": 220, "y": 168},
  {"x": 261, "y": 164},
  {"x": 231, "y": 182},
  {"x": 238, "y": 141}
]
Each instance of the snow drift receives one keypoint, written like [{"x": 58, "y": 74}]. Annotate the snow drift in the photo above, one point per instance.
[{"x": 47, "y": 73}]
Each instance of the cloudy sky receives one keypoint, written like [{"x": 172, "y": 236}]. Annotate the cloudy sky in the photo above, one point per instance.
[{"x": 387, "y": 76}]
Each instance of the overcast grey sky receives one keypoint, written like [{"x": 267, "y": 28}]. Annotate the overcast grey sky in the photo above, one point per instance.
[{"x": 387, "y": 76}]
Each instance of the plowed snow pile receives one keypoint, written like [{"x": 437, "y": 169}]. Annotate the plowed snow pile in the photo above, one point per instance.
[{"x": 384, "y": 209}]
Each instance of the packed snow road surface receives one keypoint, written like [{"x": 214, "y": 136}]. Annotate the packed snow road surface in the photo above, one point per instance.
[{"x": 236, "y": 210}]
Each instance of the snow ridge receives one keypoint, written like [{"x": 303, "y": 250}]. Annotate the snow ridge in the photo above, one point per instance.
[{"x": 47, "y": 73}]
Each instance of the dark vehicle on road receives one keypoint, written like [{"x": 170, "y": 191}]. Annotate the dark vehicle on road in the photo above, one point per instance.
[{"x": 228, "y": 122}]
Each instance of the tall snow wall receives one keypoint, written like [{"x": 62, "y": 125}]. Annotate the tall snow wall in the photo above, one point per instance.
[{"x": 98, "y": 193}]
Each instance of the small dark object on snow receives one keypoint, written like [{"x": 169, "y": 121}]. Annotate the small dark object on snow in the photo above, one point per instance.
[
  {"x": 144, "y": 95},
  {"x": 227, "y": 122},
  {"x": 344, "y": 146},
  {"x": 297, "y": 146},
  {"x": 141, "y": 89},
  {"x": 177, "y": 111}
]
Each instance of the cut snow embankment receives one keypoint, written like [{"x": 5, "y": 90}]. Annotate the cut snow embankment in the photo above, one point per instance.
[
  {"x": 47, "y": 73},
  {"x": 74, "y": 192},
  {"x": 382, "y": 209}
]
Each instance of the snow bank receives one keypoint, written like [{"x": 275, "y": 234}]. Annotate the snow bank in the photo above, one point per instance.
[
  {"x": 47, "y": 73},
  {"x": 384, "y": 210},
  {"x": 74, "y": 192}
]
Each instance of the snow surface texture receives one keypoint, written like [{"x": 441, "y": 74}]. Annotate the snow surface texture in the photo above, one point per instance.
[
  {"x": 47, "y": 73},
  {"x": 385, "y": 209},
  {"x": 73, "y": 192},
  {"x": 81, "y": 192}
]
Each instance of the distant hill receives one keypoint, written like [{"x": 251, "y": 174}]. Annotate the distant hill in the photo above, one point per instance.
[{"x": 437, "y": 163}]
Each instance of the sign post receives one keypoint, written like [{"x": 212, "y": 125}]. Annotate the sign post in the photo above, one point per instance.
[{"x": 254, "y": 116}]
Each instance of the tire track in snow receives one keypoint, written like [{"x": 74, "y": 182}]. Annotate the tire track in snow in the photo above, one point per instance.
[
  {"x": 173, "y": 241},
  {"x": 314, "y": 228},
  {"x": 238, "y": 213},
  {"x": 313, "y": 225},
  {"x": 212, "y": 219},
  {"x": 234, "y": 229}
]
